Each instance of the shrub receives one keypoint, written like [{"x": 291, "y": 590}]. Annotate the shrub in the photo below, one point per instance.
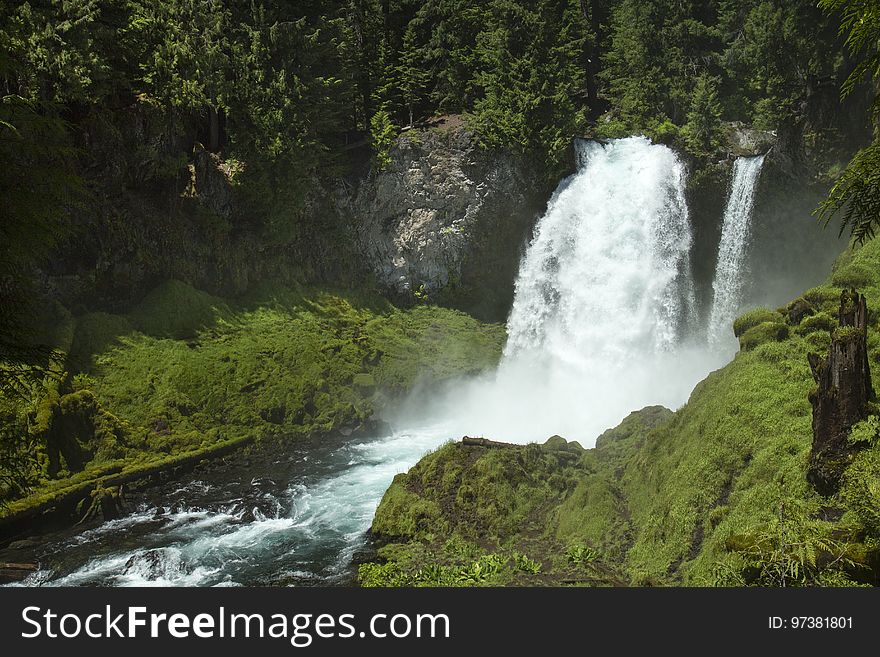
[
  {"x": 752, "y": 318},
  {"x": 818, "y": 322},
  {"x": 764, "y": 332}
]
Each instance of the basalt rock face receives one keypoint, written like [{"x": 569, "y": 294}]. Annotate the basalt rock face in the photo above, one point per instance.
[
  {"x": 448, "y": 221},
  {"x": 841, "y": 397}
]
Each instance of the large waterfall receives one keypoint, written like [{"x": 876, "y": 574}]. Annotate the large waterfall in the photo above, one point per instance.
[
  {"x": 604, "y": 304},
  {"x": 607, "y": 275},
  {"x": 735, "y": 233}
]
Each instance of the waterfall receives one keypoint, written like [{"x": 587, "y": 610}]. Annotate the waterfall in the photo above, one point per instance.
[
  {"x": 735, "y": 233},
  {"x": 603, "y": 305},
  {"x": 608, "y": 272}
]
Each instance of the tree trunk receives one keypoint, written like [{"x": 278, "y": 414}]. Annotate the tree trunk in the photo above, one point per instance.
[
  {"x": 215, "y": 130},
  {"x": 842, "y": 393},
  {"x": 591, "y": 17}
]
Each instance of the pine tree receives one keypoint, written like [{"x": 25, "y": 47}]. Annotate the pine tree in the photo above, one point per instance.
[
  {"x": 703, "y": 128},
  {"x": 412, "y": 76}
]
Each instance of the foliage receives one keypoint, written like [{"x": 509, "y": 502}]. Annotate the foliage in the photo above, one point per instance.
[
  {"x": 791, "y": 550},
  {"x": 855, "y": 197},
  {"x": 753, "y": 318},
  {"x": 185, "y": 371},
  {"x": 529, "y": 78},
  {"x": 703, "y": 128},
  {"x": 382, "y": 135}
]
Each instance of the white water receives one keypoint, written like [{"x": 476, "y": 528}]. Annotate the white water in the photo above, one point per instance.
[
  {"x": 602, "y": 320},
  {"x": 732, "y": 251},
  {"x": 304, "y": 532}
]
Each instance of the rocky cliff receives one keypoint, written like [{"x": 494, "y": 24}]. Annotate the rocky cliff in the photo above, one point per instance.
[{"x": 447, "y": 220}]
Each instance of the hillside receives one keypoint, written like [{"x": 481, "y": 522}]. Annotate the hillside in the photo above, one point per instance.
[{"x": 713, "y": 494}]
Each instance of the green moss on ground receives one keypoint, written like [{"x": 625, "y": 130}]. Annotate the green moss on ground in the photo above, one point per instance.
[
  {"x": 698, "y": 497},
  {"x": 753, "y": 319},
  {"x": 185, "y": 371},
  {"x": 470, "y": 515}
]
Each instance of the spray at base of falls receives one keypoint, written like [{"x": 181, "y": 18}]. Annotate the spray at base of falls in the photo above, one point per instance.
[
  {"x": 603, "y": 316},
  {"x": 732, "y": 252}
]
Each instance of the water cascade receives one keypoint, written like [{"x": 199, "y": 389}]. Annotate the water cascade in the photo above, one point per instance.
[
  {"x": 604, "y": 304},
  {"x": 732, "y": 250}
]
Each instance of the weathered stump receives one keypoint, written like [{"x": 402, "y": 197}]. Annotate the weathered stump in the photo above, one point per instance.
[{"x": 843, "y": 390}]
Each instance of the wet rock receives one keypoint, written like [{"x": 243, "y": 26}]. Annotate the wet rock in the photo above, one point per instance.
[
  {"x": 154, "y": 564},
  {"x": 743, "y": 140}
]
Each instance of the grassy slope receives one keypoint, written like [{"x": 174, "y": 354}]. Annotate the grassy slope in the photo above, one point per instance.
[
  {"x": 185, "y": 373},
  {"x": 695, "y": 499}
]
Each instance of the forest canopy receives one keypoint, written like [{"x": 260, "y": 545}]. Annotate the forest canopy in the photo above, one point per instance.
[{"x": 294, "y": 81}]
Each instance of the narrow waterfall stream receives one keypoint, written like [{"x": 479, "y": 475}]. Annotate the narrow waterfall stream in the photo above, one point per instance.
[
  {"x": 732, "y": 251},
  {"x": 602, "y": 324}
]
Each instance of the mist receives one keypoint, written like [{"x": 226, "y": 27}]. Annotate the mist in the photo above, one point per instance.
[{"x": 604, "y": 319}]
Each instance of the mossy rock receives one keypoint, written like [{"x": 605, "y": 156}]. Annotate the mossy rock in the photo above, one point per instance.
[
  {"x": 753, "y": 318},
  {"x": 772, "y": 331},
  {"x": 177, "y": 310},
  {"x": 635, "y": 425},
  {"x": 818, "y": 322},
  {"x": 405, "y": 514},
  {"x": 823, "y": 298}
]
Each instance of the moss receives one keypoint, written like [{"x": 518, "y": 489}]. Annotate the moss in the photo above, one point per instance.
[
  {"x": 822, "y": 321},
  {"x": 753, "y": 318},
  {"x": 762, "y": 333},
  {"x": 635, "y": 426},
  {"x": 823, "y": 298},
  {"x": 847, "y": 334},
  {"x": 852, "y": 274},
  {"x": 185, "y": 371},
  {"x": 406, "y": 514},
  {"x": 95, "y": 333},
  {"x": 176, "y": 310}
]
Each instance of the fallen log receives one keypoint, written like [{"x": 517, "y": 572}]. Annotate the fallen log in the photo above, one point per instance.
[
  {"x": 117, "y": 476},
  {"x": 15, "y": 572},
  {"x": 485, "y": 442}
]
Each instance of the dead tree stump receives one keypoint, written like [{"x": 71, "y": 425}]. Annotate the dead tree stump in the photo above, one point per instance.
[{"x": 843, "y": 390}]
